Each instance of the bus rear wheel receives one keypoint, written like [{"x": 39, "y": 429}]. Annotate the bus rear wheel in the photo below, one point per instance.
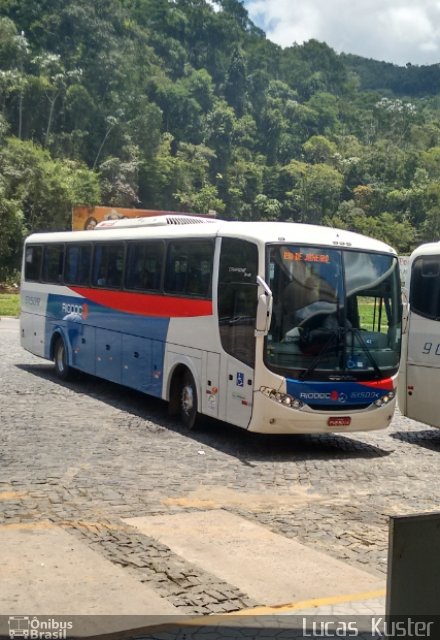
[
  {"x": 188, "y": 402},
  {"x": 62, "y": 368}
]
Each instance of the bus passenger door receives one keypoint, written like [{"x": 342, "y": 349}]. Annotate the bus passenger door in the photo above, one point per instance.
[{"x": 237, "y": 307}]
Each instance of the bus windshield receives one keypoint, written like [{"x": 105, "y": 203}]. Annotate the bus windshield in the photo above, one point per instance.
[{"x": 336, "y": 313}]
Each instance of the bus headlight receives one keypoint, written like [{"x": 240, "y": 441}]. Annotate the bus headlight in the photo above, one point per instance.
[
  {"x": 380, "y": 402},
  {"x": 282, "y": 398}
]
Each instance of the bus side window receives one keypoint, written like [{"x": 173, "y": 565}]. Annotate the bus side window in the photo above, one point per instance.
[
  {"x": 189, "y": 268},
  {"x": 144, "y": 266},
  {"x": 108, "y": 265},
  {"x": 32, "y": 263},
  {"x": 53, "y": 261},
  {"x": 77, "y": 266}
]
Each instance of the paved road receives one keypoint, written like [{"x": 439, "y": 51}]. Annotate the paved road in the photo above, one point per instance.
[{"x": 88, "y": 455}]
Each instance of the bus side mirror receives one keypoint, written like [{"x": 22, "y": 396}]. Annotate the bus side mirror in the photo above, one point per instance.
[{"x": 264, "y": 309}]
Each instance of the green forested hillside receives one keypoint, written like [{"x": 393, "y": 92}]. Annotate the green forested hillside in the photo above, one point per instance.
[{"x": 184, "y": 104}]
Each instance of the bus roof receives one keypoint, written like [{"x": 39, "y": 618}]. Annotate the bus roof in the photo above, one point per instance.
[
  {"x": 260, "y": 232},
  {"x": 428, "y": 248}
]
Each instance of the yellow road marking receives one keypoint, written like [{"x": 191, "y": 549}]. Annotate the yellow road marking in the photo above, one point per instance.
[
  {"x": 17, "y": 526},
  {"x": 310, "y": 604},
  {"x": 213, "y": 619},
  {"x": 284, "y": 608},
  {"x": 13, "y": 495}
]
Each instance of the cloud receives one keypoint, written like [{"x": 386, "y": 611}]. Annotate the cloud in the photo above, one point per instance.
[{"x": 398, "y": 31}]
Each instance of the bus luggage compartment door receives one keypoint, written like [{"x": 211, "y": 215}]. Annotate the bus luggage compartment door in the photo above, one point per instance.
[
  {"x": 108, "y": 355},
  {"x": 82, "y": 342}
]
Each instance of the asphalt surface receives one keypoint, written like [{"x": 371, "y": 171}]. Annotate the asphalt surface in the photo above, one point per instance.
[{"x": 88, "y": 456}]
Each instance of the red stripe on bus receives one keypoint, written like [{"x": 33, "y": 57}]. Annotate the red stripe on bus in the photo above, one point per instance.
[
  {"x": 386, "y": 384},
  {"x": 146, "y": 304}
]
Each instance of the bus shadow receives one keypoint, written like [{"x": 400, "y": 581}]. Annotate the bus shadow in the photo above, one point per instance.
[
  {"x": 428, "y": 438},
  {"x": 247, "y": 447}
]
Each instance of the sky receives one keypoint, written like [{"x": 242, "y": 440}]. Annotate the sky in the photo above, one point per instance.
[{"x": 397, "y": 31}]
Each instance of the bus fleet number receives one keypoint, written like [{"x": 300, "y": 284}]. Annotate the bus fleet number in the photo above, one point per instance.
[{"x": 428, "y": 347}]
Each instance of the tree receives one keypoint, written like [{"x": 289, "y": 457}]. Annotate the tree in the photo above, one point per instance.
[
  {"x": 14, "y": 55},
  {"x": 314, "y": 193},
  {"x": 43, "y": 188},
  {"x": 319, "y": 149},
  {"x": 11, "y": 236},
  {"x": 265, "y": 208},
  {"x": 54, "y": 80},
  {"x": 119, "y": 179},
  {"x": 235, "y": 85}
]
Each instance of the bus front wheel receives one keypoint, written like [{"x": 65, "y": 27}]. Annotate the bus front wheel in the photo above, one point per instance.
[
  {"x": 188, "y": 401},
  {"x": 62, "y": 368}
]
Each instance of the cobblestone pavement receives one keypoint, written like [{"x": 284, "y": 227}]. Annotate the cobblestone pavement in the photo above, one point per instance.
[{"x": 87, "y": 454}]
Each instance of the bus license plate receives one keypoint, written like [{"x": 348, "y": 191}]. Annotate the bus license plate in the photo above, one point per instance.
[{"x": 339, "y": 422}]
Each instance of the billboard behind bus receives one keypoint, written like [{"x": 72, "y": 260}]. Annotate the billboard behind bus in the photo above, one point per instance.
[{"x": 84, "y": 217}]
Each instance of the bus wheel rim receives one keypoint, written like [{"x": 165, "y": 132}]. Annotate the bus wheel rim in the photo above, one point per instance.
[
  {"x": 60, "y": 357},
  {"x": 187, "y": 399}
]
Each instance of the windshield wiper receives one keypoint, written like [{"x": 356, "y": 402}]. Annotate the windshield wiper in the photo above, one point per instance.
[{"x": 365, "y": 349}]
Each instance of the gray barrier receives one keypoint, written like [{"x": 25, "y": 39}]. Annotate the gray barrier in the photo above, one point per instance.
[{"x": 413, "y": 584}]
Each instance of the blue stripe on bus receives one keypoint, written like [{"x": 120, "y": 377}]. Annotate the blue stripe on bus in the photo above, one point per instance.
[
  {"x": 70, "y": 309},
  {"x": 339, "y": 394},
  {"x": 117, "y": 346}
]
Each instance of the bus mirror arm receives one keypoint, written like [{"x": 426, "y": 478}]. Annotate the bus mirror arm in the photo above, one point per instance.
[{"x": 264, "y": 309}]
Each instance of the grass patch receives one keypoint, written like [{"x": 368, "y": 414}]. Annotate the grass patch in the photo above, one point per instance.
[
  {"x": 9, "y": 304},
  {"x": 369, "y": 316}
]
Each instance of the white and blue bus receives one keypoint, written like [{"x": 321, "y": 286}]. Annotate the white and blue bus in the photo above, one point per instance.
[
  {"x": 420, "y": 366},
  {"x": 274, "y": 327}
]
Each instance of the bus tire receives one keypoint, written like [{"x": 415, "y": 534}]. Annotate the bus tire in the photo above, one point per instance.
[
  {"x": 62, "y": 369},
  {"x": 188, "y": 401}
]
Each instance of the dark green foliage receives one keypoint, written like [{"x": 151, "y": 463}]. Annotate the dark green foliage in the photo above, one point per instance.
[
  {"x": 412, "y": 80},
  {"x": 186, "y": 105}
]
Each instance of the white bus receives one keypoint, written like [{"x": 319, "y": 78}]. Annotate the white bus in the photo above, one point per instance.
[
  {"x": 420, "y": 367},
  {"x": 274, "y": 327}
]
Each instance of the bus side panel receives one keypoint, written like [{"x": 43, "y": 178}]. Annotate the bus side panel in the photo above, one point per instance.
[
  {"x": 422, "y": 370},
  {"x": 115, "y": 345},
  {"x": 33, "y": 319},
  {"x": 194, "y": 343},
  {"x": 32, "y": 333},
  {"x": 421, "y": 400},
  {"x": 231, "y": 379},
  {"x": 142, "y": 364},
  {"x": 82, "y": 340},
  {"x": 108, "y": 346},
  {"x": 211, "y": 371}
]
